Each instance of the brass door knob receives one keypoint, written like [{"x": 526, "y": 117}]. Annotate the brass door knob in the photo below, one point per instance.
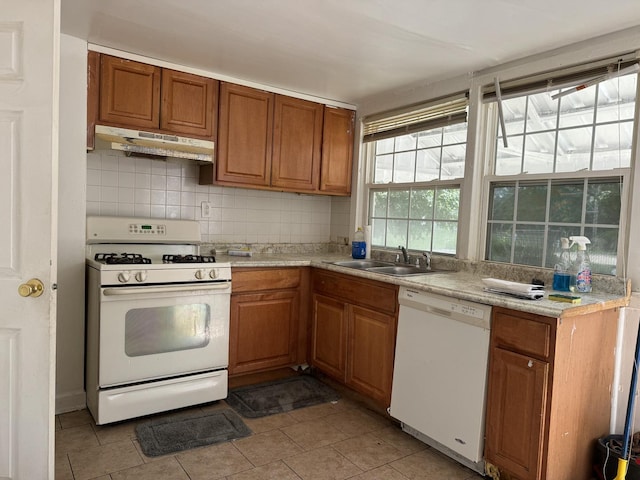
[{"x": 33, "y": 288}]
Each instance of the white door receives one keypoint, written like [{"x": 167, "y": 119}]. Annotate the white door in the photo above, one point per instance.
[{"x": 29, "y": 58}]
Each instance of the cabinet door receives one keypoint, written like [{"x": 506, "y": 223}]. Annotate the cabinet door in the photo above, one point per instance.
[
  {"x": 244, "y": 136},
  {"x": 93, "y": 96},
  {"x": 337, "y": 151},
  {"x": 129, "y": 93},
  {"x": 263, "y": 331},
  {"x": 297, "y": 138},
  {"x": 371, "y": 346},
  {"x": 189, "y": 104},
  {"x": 515, "y": 423},
  {"x": 329, "y": 336}
]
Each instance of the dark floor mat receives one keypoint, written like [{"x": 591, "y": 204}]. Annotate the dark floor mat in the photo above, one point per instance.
[
  {"x": 174, "y": 434},
  {"x": 279, "y": 396}
]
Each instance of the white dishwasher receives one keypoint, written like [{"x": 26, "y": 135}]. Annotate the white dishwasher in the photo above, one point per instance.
[{"x": 440, "y": 373}]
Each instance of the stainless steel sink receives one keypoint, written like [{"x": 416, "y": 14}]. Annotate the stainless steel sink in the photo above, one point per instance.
[
  {"x": 385, "y": 268},
  {"x": 399, "y": 270},
  {"x": 362, "y": 264}
]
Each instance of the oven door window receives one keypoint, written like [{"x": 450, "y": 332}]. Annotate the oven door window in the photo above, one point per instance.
[{"x": 162, "y": 329}]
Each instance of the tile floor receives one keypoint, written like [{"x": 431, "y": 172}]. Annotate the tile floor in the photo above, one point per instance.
[{"x": 332, "y": 441}]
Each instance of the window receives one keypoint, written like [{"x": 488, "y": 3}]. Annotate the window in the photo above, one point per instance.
[
  {"x": 416, "y": 165},
  {"x": 528, "y": 219},
  {"x": 562, "y": 173},
  {"x": 417, "y": 218}
]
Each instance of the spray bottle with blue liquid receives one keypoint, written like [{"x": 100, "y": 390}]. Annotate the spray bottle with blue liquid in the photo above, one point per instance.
[
  {"x": 581, "y": 267},
  {"x": 561, "y": 274}
]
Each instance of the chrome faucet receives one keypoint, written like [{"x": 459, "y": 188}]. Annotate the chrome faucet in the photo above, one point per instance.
[
  {"x": 404, "y": 254},
  {"x": 427, "y": 257}
]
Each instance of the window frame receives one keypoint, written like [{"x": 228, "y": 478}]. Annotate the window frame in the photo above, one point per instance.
[
  {"x": 481, "y": 144},
  {"x": 489, "y": 118},
  {"x": 369, "y": 155},
  {"x": 418, "y": 186}
]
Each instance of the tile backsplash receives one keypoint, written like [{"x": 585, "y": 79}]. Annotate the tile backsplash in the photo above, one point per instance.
[{"x": 141, "y": 187}]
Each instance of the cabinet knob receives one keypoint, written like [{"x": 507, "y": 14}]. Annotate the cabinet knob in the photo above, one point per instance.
[{"x": 530, "y": 364}]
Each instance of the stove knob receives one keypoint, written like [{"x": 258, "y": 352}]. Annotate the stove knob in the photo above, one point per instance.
[
  {"x": 213, "y": 273},
  {"x": 199, "y": 274},
  {"x": 124, "y": 277},
  {"x": 141, "y": 276}
]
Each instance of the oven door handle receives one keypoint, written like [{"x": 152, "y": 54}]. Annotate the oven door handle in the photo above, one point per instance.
[{"x": 167, "y": 289}]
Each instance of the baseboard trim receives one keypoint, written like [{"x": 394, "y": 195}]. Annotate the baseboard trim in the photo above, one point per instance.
[{"x": 71, "y": 401}]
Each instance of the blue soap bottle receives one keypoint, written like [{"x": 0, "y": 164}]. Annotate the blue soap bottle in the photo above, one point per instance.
[{"x": 358, "y": 245}]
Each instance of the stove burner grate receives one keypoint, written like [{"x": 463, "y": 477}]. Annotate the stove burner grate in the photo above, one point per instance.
[
  {"x": 188, "y": 259},
  {"x": 123, "y": 258}
]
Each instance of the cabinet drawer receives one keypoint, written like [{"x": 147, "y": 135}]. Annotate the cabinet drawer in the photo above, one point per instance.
[
  {"x": 367, "y": 293},
  {"x": 517, "y": 331},
  {"x": 257, "y": 279}
]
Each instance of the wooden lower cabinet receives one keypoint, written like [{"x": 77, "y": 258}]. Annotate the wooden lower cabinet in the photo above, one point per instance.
[
  {"x": 267, "y": 324},
  {"x": 353, "y": 332},
  {"x": 549, "y": 393},
  {"x": 371, "y": 343},
  {"x": 329, "y": 336},
  {"x": 518, "y": 396}
]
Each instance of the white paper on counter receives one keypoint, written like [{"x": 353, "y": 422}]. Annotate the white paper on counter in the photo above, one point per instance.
[{"x": 367, "y": 239}]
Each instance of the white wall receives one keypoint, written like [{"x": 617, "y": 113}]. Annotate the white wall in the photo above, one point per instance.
[
  {"x": 71, "y": 225},
  {"x": 629, "y": 322},
  {"x": 340, "y": 218}
]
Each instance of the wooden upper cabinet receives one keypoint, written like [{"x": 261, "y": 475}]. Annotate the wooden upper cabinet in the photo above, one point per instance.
[
  {"x": 245, "y": 136},
  {"x": 135, "y": 95},
  {"x": 188, "y": 104},
  {"x": 297, "y": 140},
  {"x": 337, "y": 151},
  {"x": 129, "y": 93},
  {"x": 93, "y": 96},
  {"x": 276, "y": 142}
]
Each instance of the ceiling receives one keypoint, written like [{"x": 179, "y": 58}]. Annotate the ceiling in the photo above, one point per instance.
[{"x": 343, "y": 50}]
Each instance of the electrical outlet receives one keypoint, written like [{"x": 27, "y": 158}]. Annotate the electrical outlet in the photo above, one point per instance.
[{"x": 205, "y": 209}]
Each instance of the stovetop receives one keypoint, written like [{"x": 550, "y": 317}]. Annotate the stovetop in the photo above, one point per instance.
[
  {"x": 122, "y": 258},
  {"x": 134, "y": 272},
  {"x": 135, "y": 251},
  {"x": 169, "y": 258},
  {"x": 138, "y": 259}
]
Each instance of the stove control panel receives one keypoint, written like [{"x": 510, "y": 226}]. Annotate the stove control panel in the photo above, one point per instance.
[{"x": 147, "y": 229}]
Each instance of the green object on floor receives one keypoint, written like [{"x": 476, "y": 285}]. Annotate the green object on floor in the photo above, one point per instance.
[
  {"x": 280, "y": 396},
  {"x": 182, "y": 432}
]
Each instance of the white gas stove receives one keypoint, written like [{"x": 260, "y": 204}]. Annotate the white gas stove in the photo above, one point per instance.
[{"x": 157, "y": 318}]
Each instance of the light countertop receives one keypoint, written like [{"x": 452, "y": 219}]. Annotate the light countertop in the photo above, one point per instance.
[{"x": 461, "y": 285}]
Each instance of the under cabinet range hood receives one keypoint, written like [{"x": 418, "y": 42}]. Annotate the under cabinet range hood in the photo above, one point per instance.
[{"x": 160, "y": 144}]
